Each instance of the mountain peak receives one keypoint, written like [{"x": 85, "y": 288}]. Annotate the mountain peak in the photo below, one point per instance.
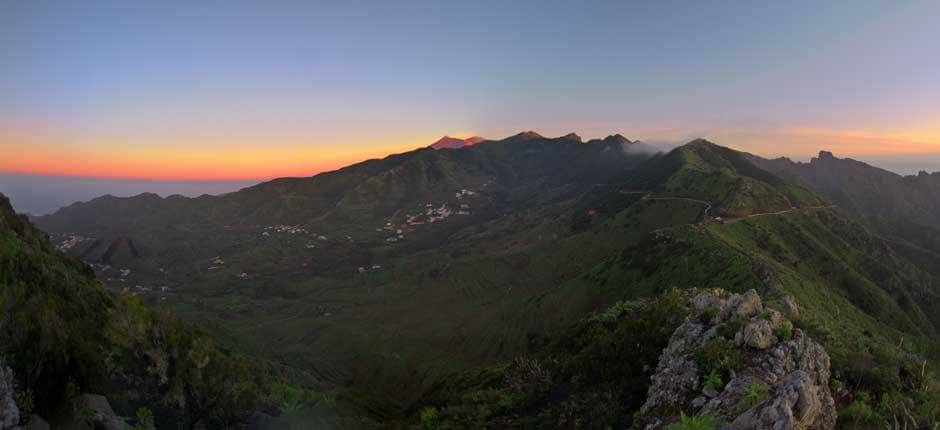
[
  {"x": 572, "y": 137},
  {"x": 701, "y": 141},
  {"x": 528, "y": 135},
  {"x": 455, "y": 142},
  {"x": 617, "y": 138}
]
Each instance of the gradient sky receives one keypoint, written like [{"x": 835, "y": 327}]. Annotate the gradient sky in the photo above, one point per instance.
[{"x": 254, "y": 90}]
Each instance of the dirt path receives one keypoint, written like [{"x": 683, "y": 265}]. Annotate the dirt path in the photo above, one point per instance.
[
  {"x": 734, "y": 220},
  {"x": 708, "y": 206}
]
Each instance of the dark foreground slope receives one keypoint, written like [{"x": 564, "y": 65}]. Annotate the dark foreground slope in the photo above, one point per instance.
[
  {"x": 383, "y": 280},
  {"x": 62, "y": 335}
]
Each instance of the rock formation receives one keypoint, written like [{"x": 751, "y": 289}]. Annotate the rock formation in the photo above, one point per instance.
[
  {"x": 744, "y": 364},
  {"x": 9, "y": 412}
]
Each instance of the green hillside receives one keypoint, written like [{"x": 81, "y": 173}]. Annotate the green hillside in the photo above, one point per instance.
[
  {"x": 63, "y": 334},
  {"x": 380, "y": 281}
]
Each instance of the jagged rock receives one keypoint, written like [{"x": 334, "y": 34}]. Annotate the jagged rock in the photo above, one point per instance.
[
  {"x": 793, "y": 373},
  {"x": 747, "y": 305},
  {"x": 798, "y": 403},
  {"x": 100, "y": 413},
  {"x": 9, "y": 412},
  {"x": 790, "y": 307},
  {"x": 756, "y": 334}
]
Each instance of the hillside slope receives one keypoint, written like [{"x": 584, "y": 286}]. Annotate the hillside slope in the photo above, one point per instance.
[
  {"x": 385, "y": 278},
  {"x": 62, "y": 334}
]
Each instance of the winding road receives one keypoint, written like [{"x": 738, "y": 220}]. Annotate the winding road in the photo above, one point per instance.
[{"x": 708, "y": 206}]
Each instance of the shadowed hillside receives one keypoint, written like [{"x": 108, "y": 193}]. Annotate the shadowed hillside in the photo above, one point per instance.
[{"x": 63, "y": 335}]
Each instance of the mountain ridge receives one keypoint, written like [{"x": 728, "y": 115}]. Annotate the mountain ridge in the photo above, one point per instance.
[{"x": 510, "y": 239}]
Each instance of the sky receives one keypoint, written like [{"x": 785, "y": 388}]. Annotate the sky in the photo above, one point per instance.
[{"x": 245, "y": 91}]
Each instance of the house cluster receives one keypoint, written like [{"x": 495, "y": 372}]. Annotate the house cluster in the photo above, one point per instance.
[
  {"x": 146, "y": 289},
  {"x": 125, "y": 272},
  {"x": 290, "y": 229},
  {"x": 374, "y": 267},
  {"x": 431, "y": 214},
  {"x": 142, "y": 289},
  {"x": 70, "y": 242},
  {"x": 396, "y": 233},
  {"x": 437, "y": 214}
]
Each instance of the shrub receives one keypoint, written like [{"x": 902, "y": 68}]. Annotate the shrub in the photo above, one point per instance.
[
  {"x": 785, "y": 331},
  {"x": 836, "y": 385},
  {"x": 429, "y": 417},
  {"x": 704, "y": 422},
  {"x": 719, "y": 355},
  {"x": 291, "y": 398},
  {"x": 731, "y": 327},
  {"x": 710, "y": 313},
  {"x": 144, "y": 420},
  {"x": 753, "y": 395},
  {"x": 859, "y": 412},
  {"x": 713, "y": 381}
]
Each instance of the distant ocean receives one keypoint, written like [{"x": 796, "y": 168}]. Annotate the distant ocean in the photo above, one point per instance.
[{"x": 40, "y": 195}]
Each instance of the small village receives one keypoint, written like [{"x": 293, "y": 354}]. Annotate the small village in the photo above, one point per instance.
[
  {"x": 431, "y": 213},
  {"x": 290, "y": 229},
  {"x": 70, "y": 242}
]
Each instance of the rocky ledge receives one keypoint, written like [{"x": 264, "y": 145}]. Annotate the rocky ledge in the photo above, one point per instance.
[{"x": 742, "y": 365}]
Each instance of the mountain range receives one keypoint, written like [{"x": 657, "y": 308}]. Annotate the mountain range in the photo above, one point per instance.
[{"x": 396, "y": 286}]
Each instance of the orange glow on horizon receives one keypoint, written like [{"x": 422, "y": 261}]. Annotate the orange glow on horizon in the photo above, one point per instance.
[
  {"x": 254, "y": 157},
  {"x": 241, "y": 160}
]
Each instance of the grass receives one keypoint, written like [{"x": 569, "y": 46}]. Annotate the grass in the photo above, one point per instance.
[{"x": 701, "y": 422}]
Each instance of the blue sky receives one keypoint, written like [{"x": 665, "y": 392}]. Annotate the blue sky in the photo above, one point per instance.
[{"x": 254, "y": 90}]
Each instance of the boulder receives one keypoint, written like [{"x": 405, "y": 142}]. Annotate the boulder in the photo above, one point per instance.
[
  {"x": 756, "y": 334},
  {"x": 790, "y": 307},
  {"x": 747, "y": 305},
  {"x": 9, "y": 412},
  {"x": 96, "y": 409},
  {"x": 798, "y": 403}
]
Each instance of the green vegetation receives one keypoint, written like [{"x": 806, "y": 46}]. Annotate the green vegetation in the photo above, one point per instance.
[
  {"x": 713, "y": 381},
  {"x": 720, "y": 356},
  {"x": 754, "y": 394},
  {"x": 785, "y": 331},
  {"x": 702, "y": 422},
  {"x": 58, "y": 324},
  {"x": 558, "y": 231},
  {"x": 591, "y": 375}
]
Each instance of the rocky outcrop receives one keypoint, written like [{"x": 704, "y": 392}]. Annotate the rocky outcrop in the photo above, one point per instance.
[
  {"x": 96, "y": 410},
  {"x": 36, "y": 423},
  {"x": 744, "y": 364},
  {"x": 9, "y": 412}
]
